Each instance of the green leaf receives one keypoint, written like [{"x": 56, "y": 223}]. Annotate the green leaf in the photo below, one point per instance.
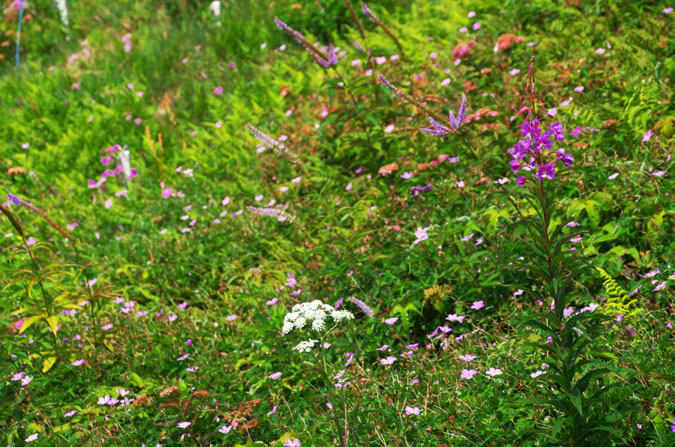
[
  {"x": 136, "y": 380},
  {"x": 29, "y": 322},
  {"x": 53, "y": 322},
  {"x": 48, "y": 363},
  {"x": 575, "y": 398}
]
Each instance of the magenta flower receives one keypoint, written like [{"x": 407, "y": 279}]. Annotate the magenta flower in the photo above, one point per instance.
[
  {"x": 412, "y": 411},
  {"x": 647, "y": 135},
  {"x": 492, "y": 372},
  {"x": 292, "y": 443},
  {"x": 468, "y": 374},
  {"x": 388, "y": 361},
  {"x": 275, "y": 376},
  {"x": 477, "y": 305},
  {"x": 535, "y": 153},
  {"x": 421, "y": 235},
  {"x": 455, "y": 317}
]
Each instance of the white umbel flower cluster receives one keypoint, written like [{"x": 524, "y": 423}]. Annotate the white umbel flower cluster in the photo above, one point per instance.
[
  {"x": 306, "y": 346},
  {"x": 314, "y": 313}
]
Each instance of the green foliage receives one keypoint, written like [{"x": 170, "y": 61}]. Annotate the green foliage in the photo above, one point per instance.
[
  {"x": 619, "y": 301},
  {"x": 196, "y": 287}
]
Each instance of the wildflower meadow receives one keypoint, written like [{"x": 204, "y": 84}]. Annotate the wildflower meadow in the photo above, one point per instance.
[{"x": 424, "y": 223}]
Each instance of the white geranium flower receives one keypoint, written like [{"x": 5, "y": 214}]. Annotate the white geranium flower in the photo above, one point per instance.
[{"x": 214, "y": 8}]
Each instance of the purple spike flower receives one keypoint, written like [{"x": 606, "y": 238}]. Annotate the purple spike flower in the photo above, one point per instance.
[
  {"x": 367, "y": 12},
  {"x": 384, "y": 81},
  {"x": 437, "y": 129},
  {"x": 316, "y": 54},
  {"x": 332, "y": 58},
  {"x": 361, "y": 305},
  {"x": 461, "y": 114},
  {"x": 15, "y": 200}
]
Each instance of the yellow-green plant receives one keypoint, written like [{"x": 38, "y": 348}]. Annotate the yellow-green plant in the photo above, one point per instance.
[{"x": 619, "y": 301}]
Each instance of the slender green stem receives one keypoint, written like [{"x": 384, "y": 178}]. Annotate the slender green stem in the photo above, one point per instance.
[
  {"x": 92, "y": 311},
  {"x": 324, "y": 370}
]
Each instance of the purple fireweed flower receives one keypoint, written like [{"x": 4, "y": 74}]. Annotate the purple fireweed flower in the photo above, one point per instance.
[{"x": 535, "y": 152}]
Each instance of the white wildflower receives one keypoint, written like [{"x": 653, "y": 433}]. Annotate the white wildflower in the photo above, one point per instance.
[
  {"x": 306, "y": 346},
  {"x": 63, "y": 10},
  {"x": 214, "y": 8},
  {"x": 315, "y": 313}
]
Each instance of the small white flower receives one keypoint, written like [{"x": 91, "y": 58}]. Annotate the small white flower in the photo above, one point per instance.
[
  {"x": 214, "y": 8},
  {"x": 305, "y": 346},
  {"x": 125, "y": 159}
]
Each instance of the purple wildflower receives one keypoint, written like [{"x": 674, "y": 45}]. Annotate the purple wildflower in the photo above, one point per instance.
[
  {"x": 437, "y": 130},
  {"x": 534, "y": 152},
  {"x": 363, "y": 306},
  {"x": 318, "y": 56},
  {"x": 461, "y": 114},
  {"x": 14, "y": 199},
  {"x": 367, "y": 12}
]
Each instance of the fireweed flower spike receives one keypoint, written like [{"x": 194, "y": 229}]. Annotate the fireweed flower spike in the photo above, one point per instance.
[
  {"x": 535, "y": 153},
  {"x": 325, "y": 60},
  {"x": 270, "y": 143}
]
